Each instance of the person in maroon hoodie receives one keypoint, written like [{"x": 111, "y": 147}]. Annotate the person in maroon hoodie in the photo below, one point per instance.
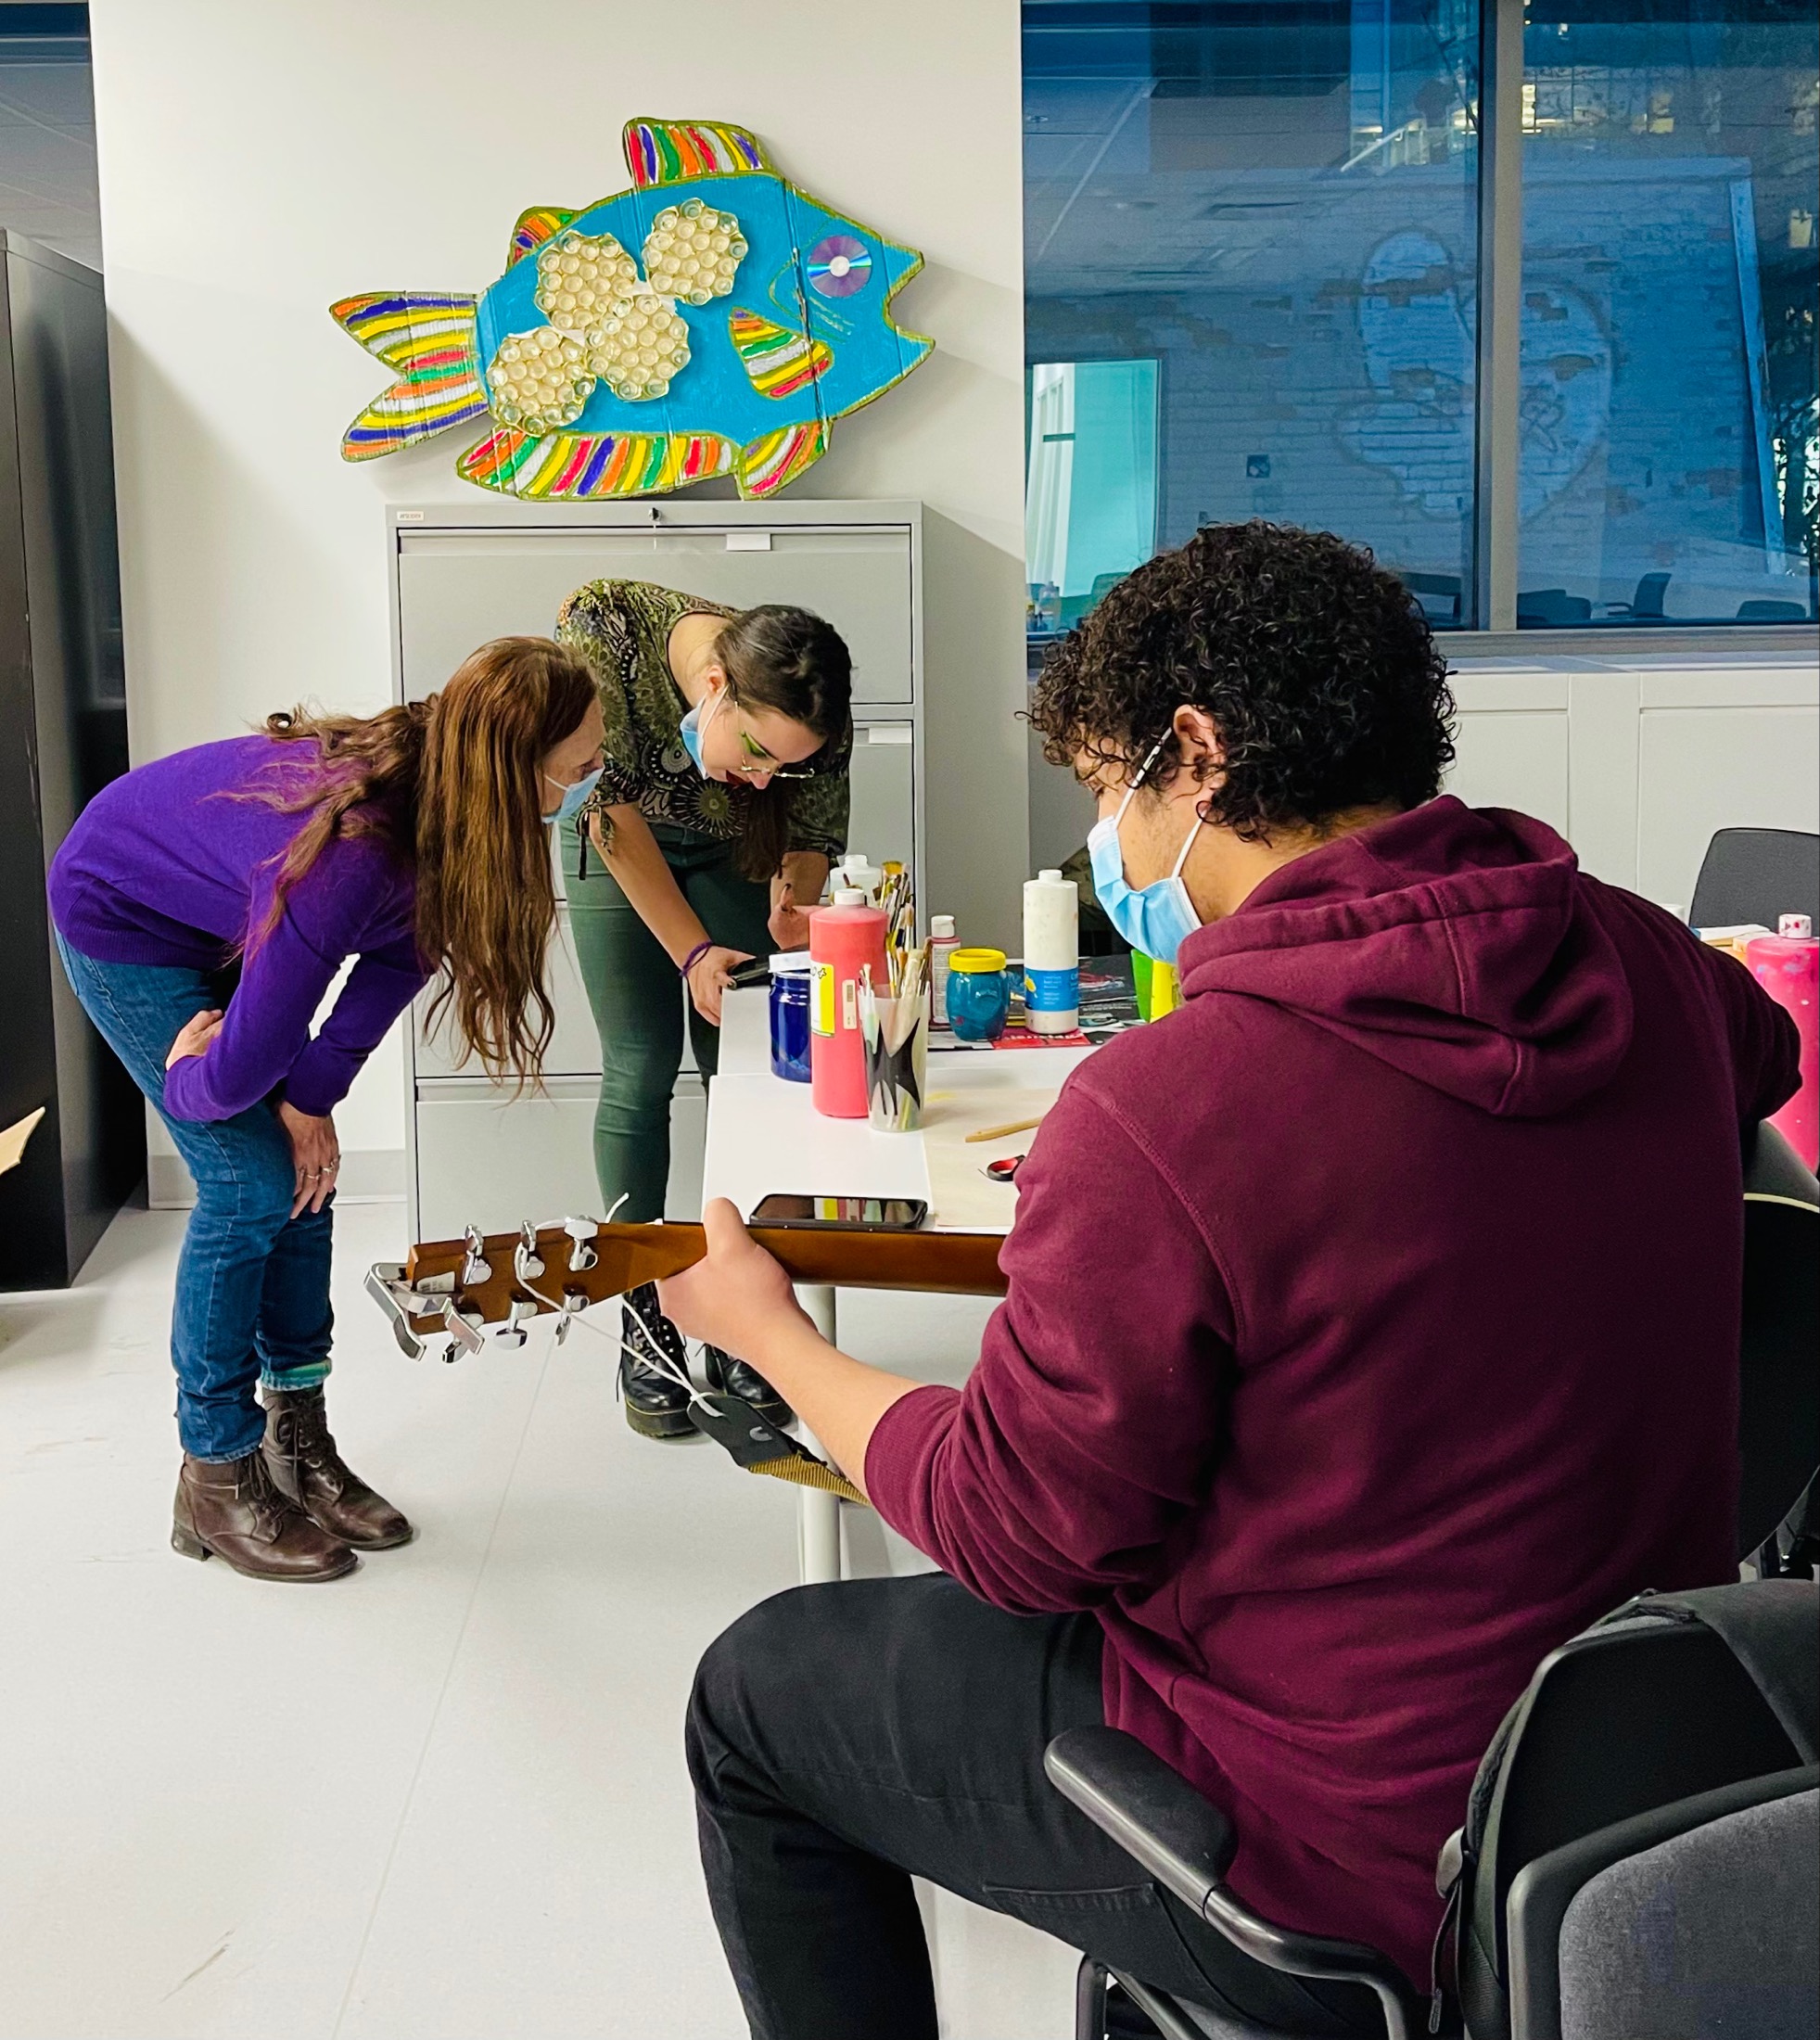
[{"x": 1372, "y": 1327}]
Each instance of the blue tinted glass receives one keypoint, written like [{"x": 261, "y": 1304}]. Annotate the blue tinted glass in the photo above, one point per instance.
[
  {"x": 1251, "y": 260},
  {"x": 47, "y": 128},
  {"x": 1667, "y": 420}
]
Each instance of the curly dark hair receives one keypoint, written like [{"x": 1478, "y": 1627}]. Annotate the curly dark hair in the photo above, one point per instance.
[{"x": 1318, "y": 669}]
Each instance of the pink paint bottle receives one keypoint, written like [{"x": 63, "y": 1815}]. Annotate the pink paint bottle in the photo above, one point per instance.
[
  {"x": 1787, "y": 966},
  {"x": 844, "y": 939}
]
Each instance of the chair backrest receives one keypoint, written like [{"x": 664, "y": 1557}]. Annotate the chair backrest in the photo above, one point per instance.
[
  {"x": 1756, "y": 875},
  {"x": 1553, "y": 606},
  {"x": 1650, "y": 592},
  {"x": 1711, "y": 1931},
  {"x": 1625, "y": 1718},
  {"x": 1761, "y": 610},
  {"x": 1779, "y": 1384}
]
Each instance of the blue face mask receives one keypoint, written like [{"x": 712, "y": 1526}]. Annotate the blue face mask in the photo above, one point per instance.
[
  {"x": 693, "y": 728},
  {"x": 574, "y": 797},
  {"x": 1155, "y": 919}
]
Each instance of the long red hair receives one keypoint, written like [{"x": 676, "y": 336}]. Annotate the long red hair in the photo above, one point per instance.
[{"x": 451, "y": 783}]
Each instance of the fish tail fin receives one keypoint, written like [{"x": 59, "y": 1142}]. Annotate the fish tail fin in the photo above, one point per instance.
[
  {"x": 775, "y": 459},
  {"x": 428, "y": 336}
]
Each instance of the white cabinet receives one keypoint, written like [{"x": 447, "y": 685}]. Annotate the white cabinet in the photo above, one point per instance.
[
  {"x": 485, "y": 1158},
  {"x": 1639, "y": 764},
  {"x": 464, "y": 573}
]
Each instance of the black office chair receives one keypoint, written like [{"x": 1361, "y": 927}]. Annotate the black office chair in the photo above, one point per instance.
[
  {"x": 1765, "y": 611},
  {"x": 1757, "y": 874},
  {"x": 1648, "y": 601},
  {"x": 1552, "y": 607},
  {"x": 1672, "y": 1715}
]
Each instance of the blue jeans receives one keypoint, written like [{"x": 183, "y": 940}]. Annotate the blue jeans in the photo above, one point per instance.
[{"x": 252, "y": 1282}]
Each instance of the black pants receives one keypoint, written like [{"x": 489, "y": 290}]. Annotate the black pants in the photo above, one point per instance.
[{"x": 842, "y": 1738}]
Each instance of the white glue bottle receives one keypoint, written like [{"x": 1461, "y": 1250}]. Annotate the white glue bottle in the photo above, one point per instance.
[
  {"x": 1051, "y": 953},
  {"x": 943, "y": 942},
  {"x": 853, "y": 869}
]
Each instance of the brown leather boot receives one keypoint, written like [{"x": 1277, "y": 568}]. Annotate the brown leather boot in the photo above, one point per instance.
[
  {"x": 306, "y": 1470},
  {"x": 228, "y": 1508}
]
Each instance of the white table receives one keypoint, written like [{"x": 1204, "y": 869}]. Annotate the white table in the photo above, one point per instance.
[{"x": 765, "y": 1135}]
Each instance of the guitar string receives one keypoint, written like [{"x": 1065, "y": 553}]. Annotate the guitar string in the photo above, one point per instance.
[{"x": 656, "y": 1357}]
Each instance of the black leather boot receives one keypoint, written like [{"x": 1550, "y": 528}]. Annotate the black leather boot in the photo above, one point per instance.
[
  {"x": 657, "y": 1402},
  {"x": 734, "y": 1377}
]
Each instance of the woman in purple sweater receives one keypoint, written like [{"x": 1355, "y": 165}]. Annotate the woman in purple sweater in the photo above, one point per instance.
[{"x": 204, "y": 906}]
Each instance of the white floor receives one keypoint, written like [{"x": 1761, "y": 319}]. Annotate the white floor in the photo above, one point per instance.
[{"x": 443, "y": 1800}]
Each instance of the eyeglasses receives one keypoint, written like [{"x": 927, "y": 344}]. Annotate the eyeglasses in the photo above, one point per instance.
[{"x": 758, "y": 760}]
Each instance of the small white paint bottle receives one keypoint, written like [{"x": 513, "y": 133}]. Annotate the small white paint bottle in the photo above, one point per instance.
[{"x": 943, "y": 942}]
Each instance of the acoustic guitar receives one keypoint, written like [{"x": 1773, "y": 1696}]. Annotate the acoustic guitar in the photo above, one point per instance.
[{"x": 460, "y": 1288}]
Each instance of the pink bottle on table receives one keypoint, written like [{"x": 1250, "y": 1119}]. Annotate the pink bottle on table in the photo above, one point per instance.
[
  {"x": 842, "y": 940},
  {"x": 1787, "y": 966}
]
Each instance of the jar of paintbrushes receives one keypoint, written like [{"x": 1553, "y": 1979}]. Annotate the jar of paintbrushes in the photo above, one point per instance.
[{"x": 894, "y": 1016}]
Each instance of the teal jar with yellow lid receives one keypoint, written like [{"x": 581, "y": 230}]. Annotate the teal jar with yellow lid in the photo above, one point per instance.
[{"x": 979, "y": 994}]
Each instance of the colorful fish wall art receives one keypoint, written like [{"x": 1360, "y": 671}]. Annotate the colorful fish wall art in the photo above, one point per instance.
[{"x": 713, "y": 320}]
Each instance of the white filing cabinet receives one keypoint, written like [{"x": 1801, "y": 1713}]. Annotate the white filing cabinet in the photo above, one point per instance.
[{"x": 462, "y": 573}]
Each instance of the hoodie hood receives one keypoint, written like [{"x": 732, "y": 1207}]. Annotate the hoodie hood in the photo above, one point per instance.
[{"x": 1458, "y": 945}]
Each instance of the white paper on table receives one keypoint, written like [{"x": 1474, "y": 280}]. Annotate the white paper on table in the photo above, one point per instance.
[{"x": 963, "y": 1198}]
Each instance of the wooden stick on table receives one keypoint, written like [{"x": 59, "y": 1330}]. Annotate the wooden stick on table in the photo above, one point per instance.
[{"x": 1001, "y": 1133}]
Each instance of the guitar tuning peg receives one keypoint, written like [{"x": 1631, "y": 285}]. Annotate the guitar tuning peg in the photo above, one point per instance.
[
  {"x": 581, "y": 1233},
  {"x": 511, "y": 1332},
  {"x": 475, "y": 1268},
  {"x": 527, "y": 1262}
]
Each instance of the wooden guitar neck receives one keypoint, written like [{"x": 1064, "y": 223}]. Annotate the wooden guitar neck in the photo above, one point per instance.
[{"x": 488, "y": 1281}]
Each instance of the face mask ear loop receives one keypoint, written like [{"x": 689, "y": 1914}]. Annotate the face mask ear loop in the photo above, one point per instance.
[
  {"x": 1188, "y": 844},
  {"x": 1138, "y": 780},
  {"x": 713, "y": 710}
]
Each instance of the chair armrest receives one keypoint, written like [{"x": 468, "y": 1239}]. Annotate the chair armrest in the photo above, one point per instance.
[
  {"x": 1773, "y": 1172},
  {"x": 1187, "y": 1843},
  {"x": 1152, "y": 1810}
]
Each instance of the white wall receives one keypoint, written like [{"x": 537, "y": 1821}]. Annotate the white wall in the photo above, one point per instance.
[
  {"x": 1638, "y": 765},
  {"x": 257, "y": 162}
]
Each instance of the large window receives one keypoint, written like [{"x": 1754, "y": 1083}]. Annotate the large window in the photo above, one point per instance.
[
  {"x": 1089, "y": 514},
  {"x": 1667, "y": 408},
  {"x": 47, "y": 184},
  {"x": 1527, "y": 309}
]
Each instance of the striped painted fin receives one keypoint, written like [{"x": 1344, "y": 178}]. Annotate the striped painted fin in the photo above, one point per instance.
[
  {"x": 429, "y": 338},
  {"x": 670, "y": 152},
  {"x": 775, "y": 459},
  {"x": 586, "y": 465},
  {"x": 534, "y": 227},
  {"x": 779, "y": 362}
]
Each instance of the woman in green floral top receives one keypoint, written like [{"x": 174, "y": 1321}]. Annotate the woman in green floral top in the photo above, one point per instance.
[{"x": 723, "y": 801}]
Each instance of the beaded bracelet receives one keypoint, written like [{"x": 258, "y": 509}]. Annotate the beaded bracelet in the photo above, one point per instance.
[{"x": 693, "y": 957}]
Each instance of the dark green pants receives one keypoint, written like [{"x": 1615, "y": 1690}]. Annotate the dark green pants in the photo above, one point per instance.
[{"x": 639, "y": 1004}]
